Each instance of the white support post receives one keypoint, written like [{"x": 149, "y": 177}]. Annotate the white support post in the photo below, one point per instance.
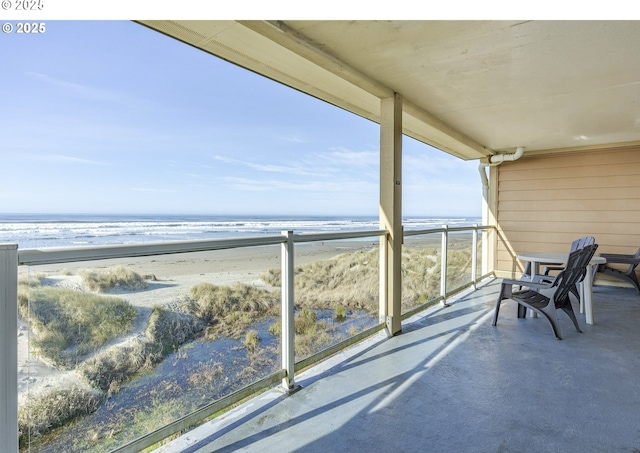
[
  {"x": 287, "y": 330},
  {"x": 489, "y": 237},
  {"x": 9, "y": 347},
  {"x": 384, "y": 271},
  {"x": 474, "y": 255},
  {"x": 443, "y": 264},
  {"x": 391, "y": 209}
]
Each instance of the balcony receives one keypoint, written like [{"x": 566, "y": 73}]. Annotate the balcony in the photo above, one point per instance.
[{"x": 451, "y": 382}]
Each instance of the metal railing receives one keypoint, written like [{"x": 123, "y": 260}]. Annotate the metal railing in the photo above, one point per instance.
[{"x": 11, "y": 258}]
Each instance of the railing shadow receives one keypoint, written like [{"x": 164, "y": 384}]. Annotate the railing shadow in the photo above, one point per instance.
[{"x": 444, "y": 327}]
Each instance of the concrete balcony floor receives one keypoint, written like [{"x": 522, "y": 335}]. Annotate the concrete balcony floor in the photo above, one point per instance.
[{"x": 451, "y": 382}]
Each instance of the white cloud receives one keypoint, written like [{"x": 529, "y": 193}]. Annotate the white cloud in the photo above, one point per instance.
[
  {"x": 86, "y": 91},
  {"x": 293, "y": 169},
  {"x": 328, "y": 164},
  {"x": 327, "y": 186},
  {"x": 62, "y": 159},
  {"x": 153, "y": 190}
]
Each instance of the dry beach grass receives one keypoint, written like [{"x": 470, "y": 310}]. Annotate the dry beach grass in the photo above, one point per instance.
[{"x": 159, "y": 303}]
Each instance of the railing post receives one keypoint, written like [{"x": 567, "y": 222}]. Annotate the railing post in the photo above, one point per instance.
[
  {"x": 474, "y": 255},
  {"x": 287, "y": 331},
  {"x": 9, "y": 347},
  {"x": 443, "y": 264}
]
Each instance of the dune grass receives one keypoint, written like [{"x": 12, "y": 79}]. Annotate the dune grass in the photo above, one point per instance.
[
  {"x": 165, "y": 333},
  {"x": 170, "y": 329},
  {"x": 311, "y": 335},
  {"x": 230, "y": 310},
  {"x": 54, "y": 409},
  {"x": 70, "y": 323},
  {"x": 252, "y": 340},
  {"x": 351, "y": 280},
  {"x": 118, "y": 277},
  {"x": 113, "y": 366}
]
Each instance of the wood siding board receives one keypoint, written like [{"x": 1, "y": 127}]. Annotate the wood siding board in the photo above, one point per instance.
[
  {"x": 570, "y": 205},
  {"x": 551, "y": 195},
  {"x": 607, "y": 217},
  {"x": 517, "y": 185}
]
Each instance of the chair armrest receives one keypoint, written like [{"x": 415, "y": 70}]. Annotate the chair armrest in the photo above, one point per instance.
[
  {"x": 620, "y": 259},
  {"x": 527, "y": 283},
  {"x": 552, "y": 267},
  {"x": 542, "y": 278}
]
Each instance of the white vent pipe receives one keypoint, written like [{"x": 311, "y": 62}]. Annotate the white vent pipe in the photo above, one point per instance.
[
  {"x": 494, "y": 160},
  {"x": 497, "y": 159}
]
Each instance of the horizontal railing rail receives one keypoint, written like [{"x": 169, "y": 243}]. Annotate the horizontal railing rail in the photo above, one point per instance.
[
  {"x": 61, "y": 255},
  {"x": 447, "y": 228},
  {"x": 35, "y": 257}
]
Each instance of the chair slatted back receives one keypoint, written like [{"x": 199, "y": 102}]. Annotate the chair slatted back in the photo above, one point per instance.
[
  {"x": 573, "y": 272},
  {"x": 581, "y": 243}
]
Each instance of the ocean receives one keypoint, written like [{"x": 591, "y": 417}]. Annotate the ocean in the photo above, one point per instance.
[{"x": 66, "y": 230}]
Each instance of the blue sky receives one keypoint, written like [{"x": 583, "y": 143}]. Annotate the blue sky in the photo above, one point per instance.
[{"x": 111, "y": 117}]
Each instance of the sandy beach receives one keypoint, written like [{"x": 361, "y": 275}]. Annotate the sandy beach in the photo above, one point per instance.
[{"x": 170, "y": 277}]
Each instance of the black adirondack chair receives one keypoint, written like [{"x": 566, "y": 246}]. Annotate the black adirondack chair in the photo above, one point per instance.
[
  {"x": 545, "y": 277},
  {"x": 575, "y": 245},
  {"x": 531, "y": 297},
  {"x": 628, "y": 274}
]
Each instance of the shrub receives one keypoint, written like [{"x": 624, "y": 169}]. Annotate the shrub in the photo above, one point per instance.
[
  {"x": 275, "y": 329},
  {"x": 305, "y": 321},
  {"x": 252, "y": 341}
]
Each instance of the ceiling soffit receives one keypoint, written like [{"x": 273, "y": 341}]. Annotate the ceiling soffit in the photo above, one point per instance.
[
  {"x": 468, "y": 87},
  {"x": 282, "y": 55}
]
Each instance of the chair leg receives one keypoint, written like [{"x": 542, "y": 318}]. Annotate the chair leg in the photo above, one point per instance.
[
  {"x": 505, "y": 293},
  {"x": 565, "y": 305},
  {"x": 569, "y": 311},
  {"x": 527, "y": 272},
  {"x": 522, "y": 311},
  {"x": 495, "y": 312},
  {"x": 627, "y": 277},
  {"x": 576, "y": 292},
  {"x": 634, "y": 280},
  {"x": 551, "y": 314}
]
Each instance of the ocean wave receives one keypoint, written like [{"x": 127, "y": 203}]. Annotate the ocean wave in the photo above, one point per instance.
[{"x": 49, "y": 231}]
